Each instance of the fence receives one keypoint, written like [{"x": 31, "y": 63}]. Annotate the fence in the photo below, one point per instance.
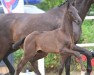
[{"x": 89, "y": 17}]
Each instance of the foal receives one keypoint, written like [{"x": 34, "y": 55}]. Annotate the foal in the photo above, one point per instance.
[{"x": 57, "y": 41}]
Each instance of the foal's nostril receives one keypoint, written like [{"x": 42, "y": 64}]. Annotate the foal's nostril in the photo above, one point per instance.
[{"x": 79, "y": 22}]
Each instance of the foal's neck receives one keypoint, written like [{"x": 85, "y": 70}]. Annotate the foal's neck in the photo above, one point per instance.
[{"x": 67, "y": 26}]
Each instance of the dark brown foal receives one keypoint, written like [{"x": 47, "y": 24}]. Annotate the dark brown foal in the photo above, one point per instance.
[{"x": 57, "y": 41}]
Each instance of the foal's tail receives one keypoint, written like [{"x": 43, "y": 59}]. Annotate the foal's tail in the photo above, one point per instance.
[{"x": 18, "y": 43}]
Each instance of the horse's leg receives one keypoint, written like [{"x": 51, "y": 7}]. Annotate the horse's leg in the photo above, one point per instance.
[
  {"x": 89, "y": 66},
  {"x": 67, "y": 65},
  {"x": 29, "y": 53},
  {"x": 62, "y": 61},
  {"x": 39, "y": 55},
  {"x": 35, "y": 67},
  {"x": 93, "y": 54},
  {"x": 88, "y": 54},
  {"x": 34, "y": 63},
  {"x": 10, "y": 67},
  {"x": 23, "y": 61},
  {"x": 75, "y": 53}
]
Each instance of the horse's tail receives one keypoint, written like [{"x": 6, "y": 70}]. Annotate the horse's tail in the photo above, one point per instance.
[{"x": 18, "y": 43}]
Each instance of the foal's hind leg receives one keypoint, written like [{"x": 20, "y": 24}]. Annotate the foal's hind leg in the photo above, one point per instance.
[
  {"x": 29, "y": 53},
  {"x": 23, "y": 61},
  {"x": 34, "y": 63}
]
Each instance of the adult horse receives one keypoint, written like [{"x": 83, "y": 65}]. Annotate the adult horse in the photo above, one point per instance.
[
  {"x": 60, "y": 40},
  {"x": 6, "y": 39}
]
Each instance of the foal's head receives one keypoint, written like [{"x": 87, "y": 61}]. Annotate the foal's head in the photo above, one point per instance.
[{"x": 71, "y": 12}]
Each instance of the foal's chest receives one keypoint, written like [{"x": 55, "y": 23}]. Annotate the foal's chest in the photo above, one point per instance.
[{"x": 65, "y": 40}]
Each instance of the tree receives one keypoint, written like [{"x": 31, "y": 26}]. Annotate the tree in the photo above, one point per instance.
[{"x": 48, "y": 4}]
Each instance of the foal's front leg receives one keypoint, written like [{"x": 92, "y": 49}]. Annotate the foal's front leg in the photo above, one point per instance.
[
  {"x": 75, "y": 53},
  {"x": 63, "y": 59},
  {"x": 67, "y": 66},
  {"x": 88, "y": 54},
  {"x": 82, "y": 51}
]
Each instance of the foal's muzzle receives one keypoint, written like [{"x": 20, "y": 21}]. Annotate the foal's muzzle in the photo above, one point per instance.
[{"x": 78, "y": 22}]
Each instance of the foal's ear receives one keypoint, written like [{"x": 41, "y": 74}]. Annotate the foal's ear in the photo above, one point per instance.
[
  {"x": 68, "y": 5},
  {"x": 71, "y": 2}
]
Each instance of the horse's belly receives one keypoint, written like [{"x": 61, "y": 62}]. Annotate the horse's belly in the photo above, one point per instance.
[
  {"x": 5, "y": 45},
  {"x": 23, "y": 29}
]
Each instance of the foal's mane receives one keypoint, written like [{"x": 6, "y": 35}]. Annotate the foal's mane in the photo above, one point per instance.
[
  {"x": 66, "y": 2},
  {"x": 62, "y": 3}
]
